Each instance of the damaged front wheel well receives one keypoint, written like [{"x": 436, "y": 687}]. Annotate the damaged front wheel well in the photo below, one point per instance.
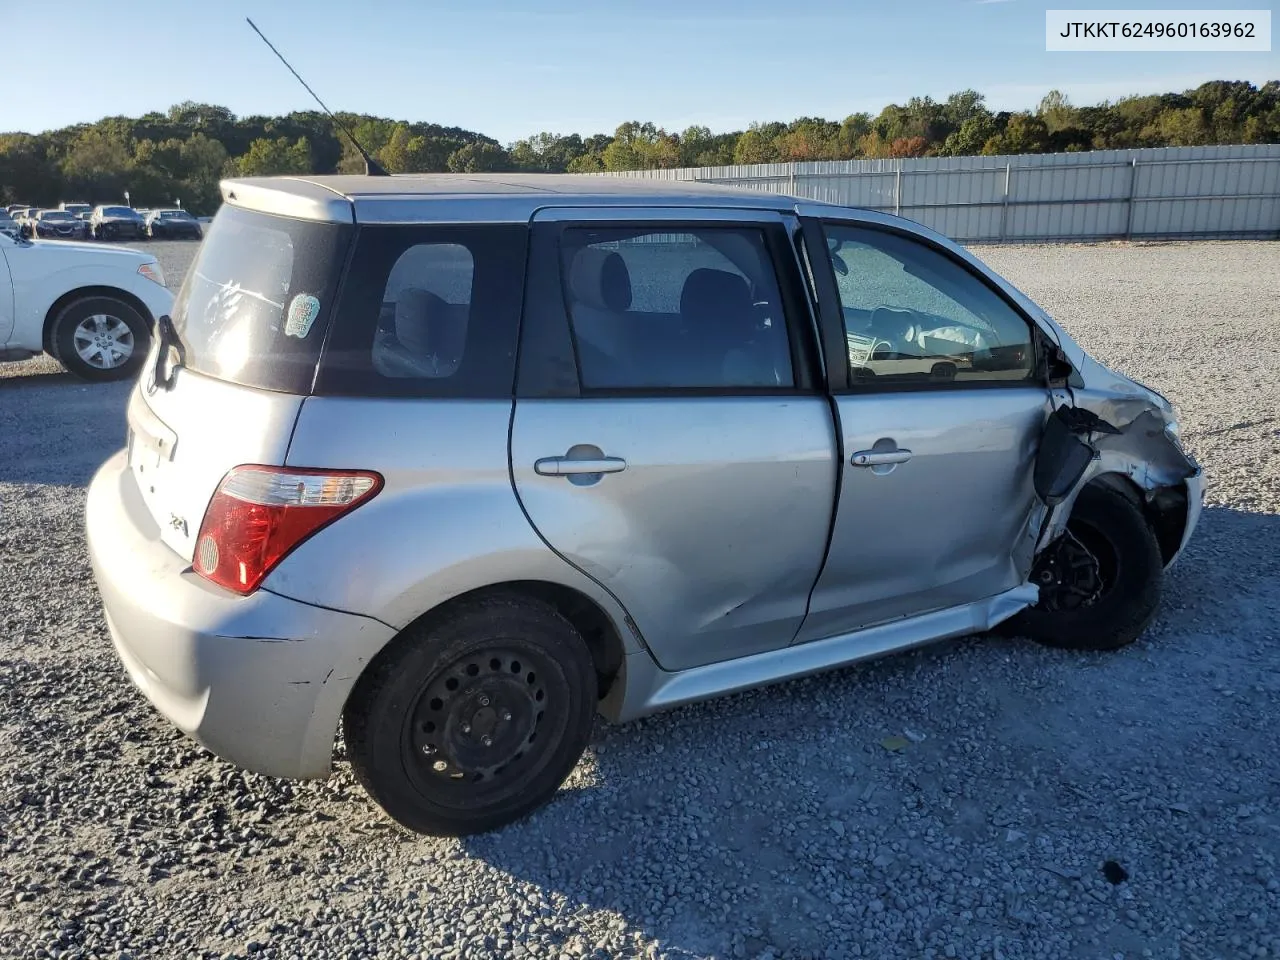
[{"x": 1165, "y": 509}]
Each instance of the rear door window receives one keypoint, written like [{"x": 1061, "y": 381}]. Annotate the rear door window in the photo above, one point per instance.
[
  {"x": 428, "y": 312},
  {"x": 255, "y": 305},
  {"x": 653, "y": 309}
]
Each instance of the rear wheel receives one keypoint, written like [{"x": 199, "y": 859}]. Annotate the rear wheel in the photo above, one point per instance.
[
  {"x": 1100, "y": 583},
  {"x": 101, "y": 339},
  {"x": 469, "y": 722}
]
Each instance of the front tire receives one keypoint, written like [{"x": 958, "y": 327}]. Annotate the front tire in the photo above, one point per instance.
[
  {"x": 1111, "y": 528},
  {"x": 470, "y": 721},
  {"x": 101, "y": 339}
]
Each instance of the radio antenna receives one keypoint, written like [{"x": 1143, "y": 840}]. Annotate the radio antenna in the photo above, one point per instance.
[{"x": 371, "y": 167}]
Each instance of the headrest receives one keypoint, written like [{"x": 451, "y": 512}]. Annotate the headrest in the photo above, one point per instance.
[
  {"x": 892, "y": 321},
  {"x": 600, "y": 279},
  {"x": 715, "y": 292},
  {"x": 420, "y": 316}
]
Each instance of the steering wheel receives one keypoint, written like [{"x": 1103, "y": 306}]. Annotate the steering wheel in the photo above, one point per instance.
[{"x": 895, "y": 325}]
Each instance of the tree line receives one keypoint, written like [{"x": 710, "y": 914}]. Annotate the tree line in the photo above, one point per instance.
[{"x": 180, "y": 155}]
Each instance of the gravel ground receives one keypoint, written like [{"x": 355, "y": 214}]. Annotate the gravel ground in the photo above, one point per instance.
[{"x": 770, "y": 824}]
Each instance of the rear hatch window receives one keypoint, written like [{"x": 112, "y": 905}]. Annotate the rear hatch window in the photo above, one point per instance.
[{"x": 256, "y": 304}]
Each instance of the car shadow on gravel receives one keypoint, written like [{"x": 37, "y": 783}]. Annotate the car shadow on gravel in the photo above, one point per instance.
[
  {"x": 56, "y": 430},
  {"x": 788, "y": 818}
]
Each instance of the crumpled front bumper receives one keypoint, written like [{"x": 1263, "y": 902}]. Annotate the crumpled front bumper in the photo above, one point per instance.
[{"x": 1195, "y": 505}]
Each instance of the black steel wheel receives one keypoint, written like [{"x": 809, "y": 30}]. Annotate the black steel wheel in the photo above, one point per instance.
[
  {"x": 469, "y": 721},
  {"x": 1099, "y": 583}
]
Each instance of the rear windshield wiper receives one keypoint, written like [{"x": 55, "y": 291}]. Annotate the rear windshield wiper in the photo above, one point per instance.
[{"x": 172, "y": 354}]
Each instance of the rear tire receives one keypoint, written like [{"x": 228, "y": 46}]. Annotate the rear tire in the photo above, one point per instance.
[
  {"x": 100, "y": 339},
  {"x": 1113, "y": 529},
  {"x": 470, "y": 721}
]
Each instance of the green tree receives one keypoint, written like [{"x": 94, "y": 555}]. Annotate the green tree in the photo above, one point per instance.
[
  {"x": 809, "y": 138},
  {"x": 1024, "y": 133},
  {"x": 27, "y": 175},
  {"x": 971, "y": 136},
  {"x": 270, "y": 157},
  {"x": 641, "y": 146},
  {"x": 1056, "y": 111},
  {"x": 758, "y": 143},
  {"x": 481, "y": 157},
  {"x": 587, "y": 163},
  {"x": 855, "y": 127},
  {"x": 1179, "y": 128}
]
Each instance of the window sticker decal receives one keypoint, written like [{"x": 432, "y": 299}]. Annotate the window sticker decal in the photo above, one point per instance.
[{"x": 303, "y": 310}]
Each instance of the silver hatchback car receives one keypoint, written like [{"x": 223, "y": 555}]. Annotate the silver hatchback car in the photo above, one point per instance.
[{"x": 458, "y": 462}]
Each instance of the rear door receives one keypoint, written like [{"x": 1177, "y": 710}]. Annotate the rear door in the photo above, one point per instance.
[
  {"x": 669, "y": 436},
  {"x": 941, "y": 404},
  {"x": 250, "y": 319}
]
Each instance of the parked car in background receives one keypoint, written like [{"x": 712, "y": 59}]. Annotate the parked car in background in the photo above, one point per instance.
[
  {"x": 91, "y": 307},
  {"x": 116, "y": 223},
  {"x": 81, "y": 211},
  {"x": 13, "y": 208},
  {"x": 173, "y": 225},
  {"x": 57, "y": 225},
  {"x": 464, "y": 460},
  {"x": 22, "y": 217},
  {"x": 8, "y": 225}
]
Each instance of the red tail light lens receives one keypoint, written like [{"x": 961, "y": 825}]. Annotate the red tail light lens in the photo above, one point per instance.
[{"x": 259, "y": 514}]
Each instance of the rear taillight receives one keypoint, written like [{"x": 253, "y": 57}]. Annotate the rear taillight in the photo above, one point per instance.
[{"x": 258, "y": 514}]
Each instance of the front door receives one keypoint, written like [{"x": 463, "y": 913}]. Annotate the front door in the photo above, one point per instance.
[
  {"x": 669, "y": 439},
  {"x": 940, "y": 407}
]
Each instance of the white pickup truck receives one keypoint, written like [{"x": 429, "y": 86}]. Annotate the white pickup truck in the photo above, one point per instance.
[{"x": 90, "y": 307}]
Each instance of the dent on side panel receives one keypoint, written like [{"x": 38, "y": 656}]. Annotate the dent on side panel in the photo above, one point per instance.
[
  {"x": 445, "y": 523},
  {"x": 713, "y": 533}
]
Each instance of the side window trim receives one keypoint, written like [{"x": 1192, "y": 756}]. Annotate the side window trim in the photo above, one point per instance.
[
  {"x": 546, "y": 331},
  {"x": 831, "y": 315}
]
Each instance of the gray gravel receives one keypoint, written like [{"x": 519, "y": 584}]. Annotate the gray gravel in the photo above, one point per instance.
[{"x": 769, "y": 824}]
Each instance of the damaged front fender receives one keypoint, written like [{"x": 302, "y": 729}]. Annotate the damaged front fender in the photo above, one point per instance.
[{"x": 1118, "y": 432}]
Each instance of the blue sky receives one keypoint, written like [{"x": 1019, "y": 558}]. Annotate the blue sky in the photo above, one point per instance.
[{"x": 509, "y": 69}]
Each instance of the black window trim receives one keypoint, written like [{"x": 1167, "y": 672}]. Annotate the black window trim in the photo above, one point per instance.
[
  {"x": 831, "y": 318},
  {"x": 796, "y": 306}
]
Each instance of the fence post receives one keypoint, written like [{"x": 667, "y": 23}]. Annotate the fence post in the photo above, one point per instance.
[
  {"x": 791, "y": 179},
  {"x": 1004, "y": 201},
  {"x": 1133, "y": 191},
  {"x": 897, "y": 190}
]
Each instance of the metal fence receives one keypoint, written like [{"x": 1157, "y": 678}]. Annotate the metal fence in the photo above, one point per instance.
[{"x": 1170, "y": 193}]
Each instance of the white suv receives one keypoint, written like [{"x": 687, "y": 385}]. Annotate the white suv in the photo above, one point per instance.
[{"x": 92, "y": 308}]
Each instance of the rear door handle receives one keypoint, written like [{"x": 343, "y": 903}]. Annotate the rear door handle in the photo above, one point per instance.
[
  {"x": 569, "y": 466},
  {"x": 875, "y": 458}
]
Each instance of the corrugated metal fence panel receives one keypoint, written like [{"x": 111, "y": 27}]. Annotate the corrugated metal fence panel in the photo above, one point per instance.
[{"x": 1151, "y": 192}]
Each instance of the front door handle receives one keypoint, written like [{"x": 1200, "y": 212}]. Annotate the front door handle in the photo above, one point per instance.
[
  {"x": 876, "y": 458},
  {"x": 571, "y": 466}
]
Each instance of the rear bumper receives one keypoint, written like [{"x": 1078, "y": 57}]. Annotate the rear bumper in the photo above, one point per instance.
[{"x": 260, "y": 680}]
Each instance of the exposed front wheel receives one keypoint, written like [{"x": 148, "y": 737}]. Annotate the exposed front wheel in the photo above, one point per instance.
[
  {"x": 1099, "y": 584},
  {"x": 100, "y": 339},
  {"x": 470, "y": 721}
]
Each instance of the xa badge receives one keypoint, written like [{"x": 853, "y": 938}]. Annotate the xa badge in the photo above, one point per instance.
[{"x": 178, "y": 523}]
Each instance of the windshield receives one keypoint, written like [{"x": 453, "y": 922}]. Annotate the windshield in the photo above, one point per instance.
[
  {"x": 75, "y": 207},
  {"x": 117, "y": 212},
  {"x": 255, "y": 305},
  {"x": 56, "y": 215},
  {"x": 175, "y": 215}
]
